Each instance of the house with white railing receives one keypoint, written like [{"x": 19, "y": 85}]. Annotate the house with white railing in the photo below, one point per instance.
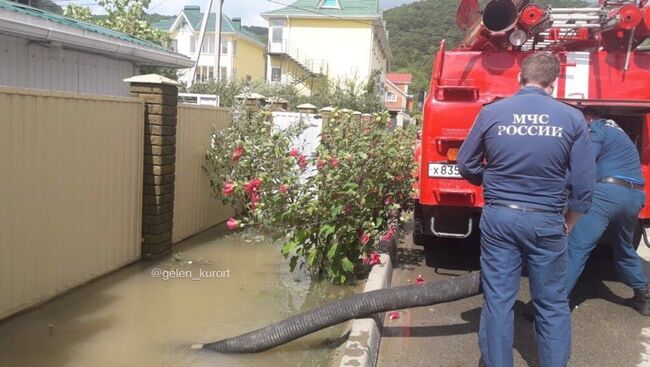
[{"x": 312, "y": 40}]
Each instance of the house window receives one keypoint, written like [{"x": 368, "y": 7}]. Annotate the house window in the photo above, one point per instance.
[
  {"x": 330, "y": 4},
  {"x": 192, "y": 44},
  {"x": 234, "y": 48},
  {"x": 277, "y": 27},
  {"x": 277, "y": 34},
  {"x": 276, "y": 74},
  {"x": 224, "y": 48},
  {"x": 204, "y": 73},
  {"x": 223, "y": 73},
  {"x": 391, "y": 97},
  {"x": 174, "y": 45},
  {"x": 208, "y": 45}
]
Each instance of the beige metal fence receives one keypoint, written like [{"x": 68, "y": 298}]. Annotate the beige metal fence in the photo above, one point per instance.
[
  {"x": 70, "y": 191},
  {"x": 195, "y": 208}
]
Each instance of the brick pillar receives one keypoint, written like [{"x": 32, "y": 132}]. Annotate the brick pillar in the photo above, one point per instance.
[{"x": 161, "y": 98}]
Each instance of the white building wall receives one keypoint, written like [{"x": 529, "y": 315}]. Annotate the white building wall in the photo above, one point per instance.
[
  {"x": 346, "y": 50},
  {"x": 32, "y": 65},
  {"x": 183, "y": 40}
]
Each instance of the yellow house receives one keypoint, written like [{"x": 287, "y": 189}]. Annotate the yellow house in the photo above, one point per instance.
[
  {"x": 311, "y": 40},
  {"x": 242, "y": 54}
]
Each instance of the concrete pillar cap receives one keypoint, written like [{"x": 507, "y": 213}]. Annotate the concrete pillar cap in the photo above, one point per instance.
[{"x": 151, "y": 79}]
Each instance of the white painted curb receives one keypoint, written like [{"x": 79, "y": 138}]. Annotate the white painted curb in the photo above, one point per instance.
[{"x": 362, "y": 347}]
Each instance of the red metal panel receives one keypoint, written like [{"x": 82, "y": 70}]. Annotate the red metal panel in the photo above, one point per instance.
[{"x": 467, "y": 80}]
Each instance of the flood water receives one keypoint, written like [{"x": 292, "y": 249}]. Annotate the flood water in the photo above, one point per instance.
[{"x": 134, "y": 317}]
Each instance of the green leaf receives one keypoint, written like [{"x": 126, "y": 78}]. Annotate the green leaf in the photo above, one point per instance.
[
  {"x": 332, "y": 251},
  {"x": 311, "y": 258},
  {"x": 347, "y": 265},
  {"x": 293, "y": 262},
  {"x": 327, "y": 230},
  {"x": 288, "y": 247}
]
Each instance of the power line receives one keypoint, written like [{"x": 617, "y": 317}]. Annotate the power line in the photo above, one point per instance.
[
  {"x": 358, "y": 21},
  {"x": 157, "y": 5}
]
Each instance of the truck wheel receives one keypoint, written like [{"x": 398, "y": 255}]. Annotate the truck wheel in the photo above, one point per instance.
[{"x": 419, "y": 238}]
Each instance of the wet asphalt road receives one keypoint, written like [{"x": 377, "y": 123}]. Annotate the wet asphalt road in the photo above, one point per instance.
[{"x": 606, "y": 332}]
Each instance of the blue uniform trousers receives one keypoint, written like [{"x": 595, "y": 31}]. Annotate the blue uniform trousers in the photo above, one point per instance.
[
  {"x": 614, "y": 208},
  {"x": 509, "y": 237}
]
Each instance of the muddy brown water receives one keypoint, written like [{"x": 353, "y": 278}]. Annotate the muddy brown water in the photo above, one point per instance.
[{"x": 134, "y": 317}]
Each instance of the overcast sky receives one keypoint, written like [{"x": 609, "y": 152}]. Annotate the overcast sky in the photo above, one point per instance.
[{"x": 248, "y": 10}]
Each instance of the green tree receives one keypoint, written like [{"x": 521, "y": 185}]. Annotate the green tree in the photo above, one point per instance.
[
  {"x": 127, "y": 16},
  {"x": 343, "y": 93}
]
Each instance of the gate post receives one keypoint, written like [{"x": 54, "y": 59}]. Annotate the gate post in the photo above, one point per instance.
[{"x": 160, "y": 95}]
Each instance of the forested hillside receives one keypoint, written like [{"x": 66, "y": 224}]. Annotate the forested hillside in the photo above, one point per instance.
[{"x": 417, "y": 28}]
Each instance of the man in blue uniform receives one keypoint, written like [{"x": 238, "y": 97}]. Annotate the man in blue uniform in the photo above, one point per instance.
[
  {"x": 618, "y": 198},
  {"x": 520, "y": 149}
]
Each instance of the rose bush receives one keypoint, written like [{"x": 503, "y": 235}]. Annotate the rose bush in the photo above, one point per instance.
[{"x": 331, "y": 208}]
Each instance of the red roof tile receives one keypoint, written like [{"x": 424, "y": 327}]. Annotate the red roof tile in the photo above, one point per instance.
[{"x": 399, "y": 78}]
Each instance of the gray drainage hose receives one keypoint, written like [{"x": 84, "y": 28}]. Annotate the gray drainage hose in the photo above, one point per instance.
[{"x": 357, "y": 306}]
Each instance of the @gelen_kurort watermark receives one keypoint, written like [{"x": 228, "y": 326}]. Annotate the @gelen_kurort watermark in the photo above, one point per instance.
[{"x": 194, "y": 275}]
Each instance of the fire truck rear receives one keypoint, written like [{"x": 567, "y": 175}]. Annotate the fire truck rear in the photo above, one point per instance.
[{"x": 604, "y": 65}]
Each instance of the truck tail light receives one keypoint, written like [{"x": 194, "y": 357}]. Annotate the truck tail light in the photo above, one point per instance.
[{"x": 452, "y": 154}]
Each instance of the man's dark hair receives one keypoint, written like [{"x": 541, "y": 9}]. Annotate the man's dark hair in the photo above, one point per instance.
[{"x": 540, "y": 68}]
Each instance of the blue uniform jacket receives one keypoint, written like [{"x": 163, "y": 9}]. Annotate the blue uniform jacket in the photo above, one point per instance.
[
  {"x": 616, "y": 155},
  {"x": 521, "y": 148}
]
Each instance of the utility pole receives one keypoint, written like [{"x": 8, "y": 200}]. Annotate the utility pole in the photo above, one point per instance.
[
  {"x": 204, "y": 24},
  {"x": 217, "y": 38}
]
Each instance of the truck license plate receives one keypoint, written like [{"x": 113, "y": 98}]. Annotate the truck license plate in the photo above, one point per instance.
[{"x": 443, "y": 170}]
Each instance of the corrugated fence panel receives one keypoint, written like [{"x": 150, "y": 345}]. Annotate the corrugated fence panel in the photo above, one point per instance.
[
  {"x": 70, "y": 192},
  {"x": 195, "y": 208}
]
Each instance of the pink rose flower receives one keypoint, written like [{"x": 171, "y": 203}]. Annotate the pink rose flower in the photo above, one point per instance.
[
  {"x": 334, "y": 162},
  {"x": 419, "y": 279},
  {"x": 365, "y": 238},
  {"x": 283, "y": 188},
  {"x": 252, "y": 185},
  {"x": 389, "y": 234},
  {"x": 294, "y": 152},
  {"x": 228, "y": 188},
  {"x": 372, "y": 259},
  {"x": 256, "y": 183},
  {"x": 388, "y": 200},
  {"x": 347, "y": 210},
  {"x": 238, "y": 153},
  {"x": 302, "y": 162},
  {"x": 320, "y": 164},
  {"x": 232, "y": 224}
]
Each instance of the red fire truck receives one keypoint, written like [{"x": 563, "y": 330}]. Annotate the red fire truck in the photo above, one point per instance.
[{"x": 604, "y": 65}]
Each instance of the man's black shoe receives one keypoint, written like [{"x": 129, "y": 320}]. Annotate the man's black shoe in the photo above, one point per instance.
[{"x": 641, "y": 300}]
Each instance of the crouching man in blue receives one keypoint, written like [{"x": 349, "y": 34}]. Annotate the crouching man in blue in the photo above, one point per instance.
[
  {"x": 528, "y": 142},
  {"x": 618, "y": 199}
]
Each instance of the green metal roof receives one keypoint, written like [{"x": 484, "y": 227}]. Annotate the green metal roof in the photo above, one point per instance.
[
  {"x": 195, "y": 17},
  {"x": 312, "y": 8},
  {"x": 28, "y": 10}
]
